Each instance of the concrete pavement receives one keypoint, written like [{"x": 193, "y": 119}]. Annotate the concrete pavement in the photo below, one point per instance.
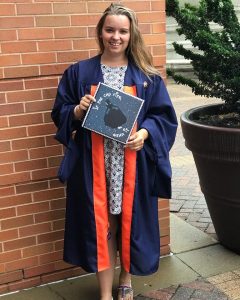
[{"x": 199, "y": 268}]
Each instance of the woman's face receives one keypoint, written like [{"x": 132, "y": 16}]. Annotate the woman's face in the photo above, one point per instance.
[{"x": 116, "y": 35}]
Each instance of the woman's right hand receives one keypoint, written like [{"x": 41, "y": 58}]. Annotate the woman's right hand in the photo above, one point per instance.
[{"x": 83, "y": 106}]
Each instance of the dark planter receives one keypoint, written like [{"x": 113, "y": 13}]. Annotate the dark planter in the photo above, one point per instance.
[{"x": 216, "y": 152}]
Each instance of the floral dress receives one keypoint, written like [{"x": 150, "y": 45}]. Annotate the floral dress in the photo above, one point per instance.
[{"x": 113, "y": 150}]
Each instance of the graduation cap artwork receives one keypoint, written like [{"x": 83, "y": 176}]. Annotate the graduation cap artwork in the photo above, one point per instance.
[
  {"x": 114, "y": 113},
  {"x": 114, "y": 117}
]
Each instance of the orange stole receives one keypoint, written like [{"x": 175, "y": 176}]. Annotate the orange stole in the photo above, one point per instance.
[
  {"x": 128, "y": 194},
  {"x": 100, "y": 197}
]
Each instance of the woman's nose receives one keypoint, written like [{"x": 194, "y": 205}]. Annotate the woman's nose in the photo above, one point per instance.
[{"x": 116, "y": 35}]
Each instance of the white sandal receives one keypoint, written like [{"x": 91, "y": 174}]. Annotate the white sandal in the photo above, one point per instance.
[{"x": 123, "y": 291}]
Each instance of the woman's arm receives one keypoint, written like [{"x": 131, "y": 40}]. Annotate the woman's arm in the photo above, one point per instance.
[
  {"x": 80, "y": 110},
  {"x": 136, "y": 140}
]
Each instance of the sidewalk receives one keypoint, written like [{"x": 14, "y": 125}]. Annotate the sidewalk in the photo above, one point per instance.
[
  {"x": 199, "y": 267},
  {"x": 187, "y": 199}
]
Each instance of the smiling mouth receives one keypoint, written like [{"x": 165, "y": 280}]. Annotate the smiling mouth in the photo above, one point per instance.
[{"x": 114, "y": 44}]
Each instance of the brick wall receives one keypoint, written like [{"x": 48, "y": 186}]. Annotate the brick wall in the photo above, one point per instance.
[{"x": 39, "y": 39}]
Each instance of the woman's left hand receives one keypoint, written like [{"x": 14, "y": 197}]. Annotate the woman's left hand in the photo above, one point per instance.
[{"x": 136, "y": 140}]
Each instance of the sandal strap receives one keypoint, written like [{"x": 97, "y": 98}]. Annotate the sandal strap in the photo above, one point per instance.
[{"x": 125, "y": 290}]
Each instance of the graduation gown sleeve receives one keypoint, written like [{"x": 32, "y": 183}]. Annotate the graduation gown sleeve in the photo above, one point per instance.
[
  {"x": 161, "y": 123},
  {"x": 66, "y": 100}
]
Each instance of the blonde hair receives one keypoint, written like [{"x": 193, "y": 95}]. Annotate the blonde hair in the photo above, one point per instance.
[{"x": 136, "y": 49}]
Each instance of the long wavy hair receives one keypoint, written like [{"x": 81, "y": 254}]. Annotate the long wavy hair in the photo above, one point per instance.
[{"x": 136, "y": 49}]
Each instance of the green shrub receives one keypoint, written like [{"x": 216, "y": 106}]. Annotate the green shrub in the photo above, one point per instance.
[{"x": 216, "y": 63}]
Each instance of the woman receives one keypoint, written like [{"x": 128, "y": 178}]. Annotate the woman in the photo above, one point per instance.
[{"x": 113, "y": 190}]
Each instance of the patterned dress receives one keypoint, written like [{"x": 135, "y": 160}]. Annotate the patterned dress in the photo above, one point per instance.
[{"x": 113, "y": 150}]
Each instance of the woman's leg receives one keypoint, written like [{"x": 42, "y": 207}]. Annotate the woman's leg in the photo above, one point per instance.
[
  {"x": 125, "y": 291},
  {"x": 124, "y": 278},
  {"x": 105, "y": 278}
]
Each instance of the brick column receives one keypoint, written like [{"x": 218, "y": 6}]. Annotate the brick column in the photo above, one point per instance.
[{"x": 39, "y": 40}]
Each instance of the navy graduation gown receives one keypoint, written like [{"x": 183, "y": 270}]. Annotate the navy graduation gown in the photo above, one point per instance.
[{"x": 147, "y": 173}]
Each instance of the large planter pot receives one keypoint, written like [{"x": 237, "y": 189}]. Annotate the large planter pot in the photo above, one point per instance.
[{"x": 216, "y": 152}]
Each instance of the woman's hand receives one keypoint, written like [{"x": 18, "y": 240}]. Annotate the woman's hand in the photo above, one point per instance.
[
  {"x": 136, "y": 140},
  {"x": 83, "y": 106}
]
